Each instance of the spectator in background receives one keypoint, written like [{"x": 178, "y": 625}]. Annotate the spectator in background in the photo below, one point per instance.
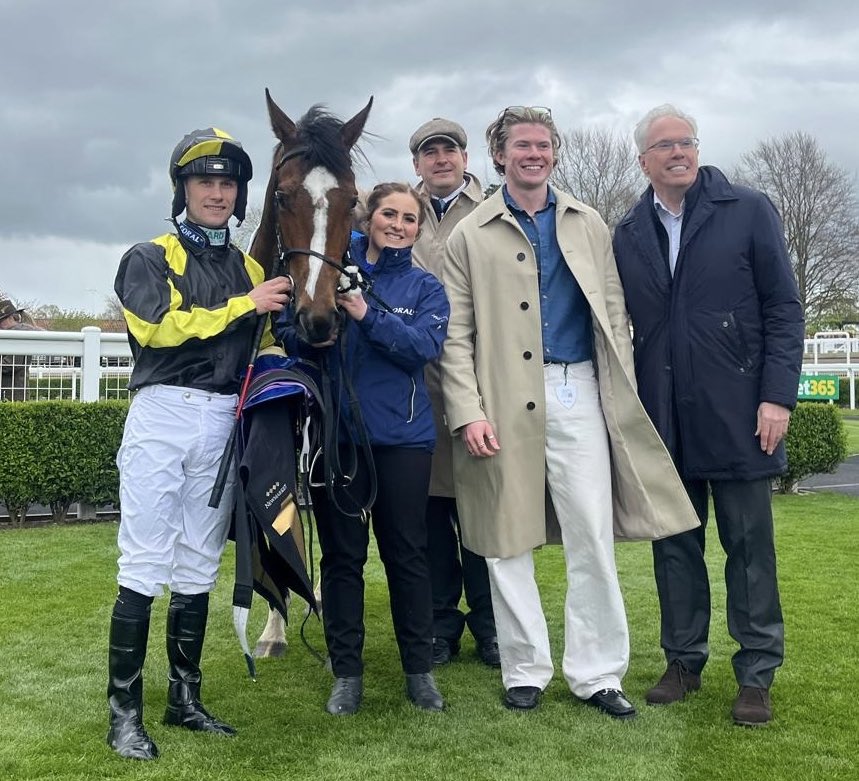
[{"x": 13, "y": 381}]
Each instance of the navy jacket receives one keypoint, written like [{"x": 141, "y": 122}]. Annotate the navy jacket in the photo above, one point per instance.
[
  {"x": 386, "y": 352},
  {"x": 722, "y": 336}
]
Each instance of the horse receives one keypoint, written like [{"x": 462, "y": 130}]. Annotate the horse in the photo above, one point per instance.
[{"x": 305, "y": 226}]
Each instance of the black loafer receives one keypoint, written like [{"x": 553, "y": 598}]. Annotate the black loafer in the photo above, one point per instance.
[
  {"x": 422, "y": 692},
  {"x": 443, "y": 650},
  {"x": 612, "y": 702},
  {"x": 345, "y": 696},
  {"x": 487, "y": 650},
  {"x": 522, "y": 697}
]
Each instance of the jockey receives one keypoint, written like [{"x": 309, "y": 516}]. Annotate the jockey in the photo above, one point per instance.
[{"x": 191, "y": 301}]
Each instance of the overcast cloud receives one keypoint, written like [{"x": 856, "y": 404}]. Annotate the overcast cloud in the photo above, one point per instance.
[{"x": 95, "y": 95}]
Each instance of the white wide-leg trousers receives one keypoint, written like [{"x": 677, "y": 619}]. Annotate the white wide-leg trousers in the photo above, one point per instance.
[{"x": 596, "y": 638}]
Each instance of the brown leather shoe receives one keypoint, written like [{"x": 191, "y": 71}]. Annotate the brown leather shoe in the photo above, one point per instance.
[
  {"x": 675, "y": 683},
  {"x": 752, "y": 707}
]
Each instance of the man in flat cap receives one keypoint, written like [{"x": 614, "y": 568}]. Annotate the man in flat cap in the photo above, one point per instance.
[{"x": 439, "y": 156}]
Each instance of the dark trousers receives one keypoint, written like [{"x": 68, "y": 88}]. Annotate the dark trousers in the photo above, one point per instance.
[
  {"x": 452, "y": 569},
  {"x": 400, "y": 529},
  {"x": 743, "y": 511}
]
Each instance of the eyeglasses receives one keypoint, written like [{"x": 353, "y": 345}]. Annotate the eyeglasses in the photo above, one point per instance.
[
  {"x": 668, "y": 146},
  {"x": 519, "y": 110}
]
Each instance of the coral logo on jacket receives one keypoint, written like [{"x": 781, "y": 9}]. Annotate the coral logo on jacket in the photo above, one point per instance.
[
  {"x": 189, "y": 233},
  {"x": 403, "y": 310}
]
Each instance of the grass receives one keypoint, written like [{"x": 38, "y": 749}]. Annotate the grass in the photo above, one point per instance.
[
  {"x": 851, "y": 426},
  {"x": 57, "y": 588}
]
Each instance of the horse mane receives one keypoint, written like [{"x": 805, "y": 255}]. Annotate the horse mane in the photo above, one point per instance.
[{"x": 318, "y": 131}]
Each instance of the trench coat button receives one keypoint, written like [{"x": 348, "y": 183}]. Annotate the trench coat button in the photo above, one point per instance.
[
  {"x": 186, "y": 395},
  {"x": 520, "y": 257},
  {"x": 527, "y": 355},
  {"x": 530, "y": 405},
  {"x": 724, "y": 323},
  {"x": 524, "y": 305}
]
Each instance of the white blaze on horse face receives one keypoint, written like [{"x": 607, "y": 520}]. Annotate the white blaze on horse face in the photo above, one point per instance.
[{"x": 318, "y": 183}]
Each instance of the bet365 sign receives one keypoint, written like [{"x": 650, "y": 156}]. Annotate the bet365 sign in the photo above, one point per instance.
[{"x": 818, "y": 387}]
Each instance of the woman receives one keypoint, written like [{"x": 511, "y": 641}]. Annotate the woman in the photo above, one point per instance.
[{"x": 383, "y": 349}]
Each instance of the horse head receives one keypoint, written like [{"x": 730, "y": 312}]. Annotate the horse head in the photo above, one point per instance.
[{"x": 307, "y": 216}]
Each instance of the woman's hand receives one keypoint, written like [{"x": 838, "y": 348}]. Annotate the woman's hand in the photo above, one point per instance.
[{"x": 354, "y": 305}]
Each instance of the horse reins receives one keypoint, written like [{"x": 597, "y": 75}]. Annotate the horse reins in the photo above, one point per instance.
[{"x": 335, "y": 476}]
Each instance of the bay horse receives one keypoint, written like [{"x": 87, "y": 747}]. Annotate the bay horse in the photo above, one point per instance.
[{"x": 305, "y": 231}]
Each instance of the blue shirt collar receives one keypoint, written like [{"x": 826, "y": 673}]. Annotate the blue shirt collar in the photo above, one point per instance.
[{"x": 551, "y": 200}]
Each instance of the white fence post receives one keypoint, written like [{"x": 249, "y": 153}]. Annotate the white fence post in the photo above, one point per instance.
[
  {"x": 91, "y": 363},
  {"x": 90, "y": 376}
]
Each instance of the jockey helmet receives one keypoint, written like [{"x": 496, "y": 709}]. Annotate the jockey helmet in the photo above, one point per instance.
[{"x": 210, "y": 152}]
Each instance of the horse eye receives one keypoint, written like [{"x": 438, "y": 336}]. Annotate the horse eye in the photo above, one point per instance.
[{"x": 353, "y": 203}]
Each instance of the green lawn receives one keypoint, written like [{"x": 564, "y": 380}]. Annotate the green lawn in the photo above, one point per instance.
[
  {"x": 851, "y": 425},
  {"x": 57, "y": 588}
]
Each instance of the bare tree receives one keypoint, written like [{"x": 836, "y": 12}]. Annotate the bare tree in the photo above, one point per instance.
[
  {"x": 818, "y": 204},
  {"x": 599, "y": 167},
  {"x": 241, "y": 236},
  {"x": 113, "y": 309}
]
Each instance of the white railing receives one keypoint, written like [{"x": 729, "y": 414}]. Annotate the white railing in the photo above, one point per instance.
[
  {"x": 831, "y": 347},
  {"x": 91, "y": 364},
  {"x": 86, "y": 365}
]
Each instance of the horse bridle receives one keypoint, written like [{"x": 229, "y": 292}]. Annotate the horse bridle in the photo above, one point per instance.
[{"x": 356, "y": 280}]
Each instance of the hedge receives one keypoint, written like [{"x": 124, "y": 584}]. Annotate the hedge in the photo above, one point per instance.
[
  {"x": 816, "y": 443},
  {"x": 56, "y": 453}
]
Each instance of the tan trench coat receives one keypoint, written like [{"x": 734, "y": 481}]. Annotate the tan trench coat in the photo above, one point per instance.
[
  {"x": 428, "y": 253},
  {"x": 492, "y": 369}
]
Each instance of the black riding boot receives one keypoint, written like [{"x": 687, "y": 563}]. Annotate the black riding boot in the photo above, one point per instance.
[
  {"x": 128, "y": 636},
  {"x": 186, "y": 629}
]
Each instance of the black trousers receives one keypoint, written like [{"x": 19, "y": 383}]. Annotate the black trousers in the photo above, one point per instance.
[
  {"x": 400, "y": 529},
  {"x": 454, "y": 568},
  {"x": 743, "y": 511}
]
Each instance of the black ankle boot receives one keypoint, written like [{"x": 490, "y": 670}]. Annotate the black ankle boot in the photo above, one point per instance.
[
  {"x": 186, "y": 629},
  {"x": 126, "y": 734}
]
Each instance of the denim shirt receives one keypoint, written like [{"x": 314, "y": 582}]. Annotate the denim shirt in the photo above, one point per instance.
[{"x": 565, "y": 315}]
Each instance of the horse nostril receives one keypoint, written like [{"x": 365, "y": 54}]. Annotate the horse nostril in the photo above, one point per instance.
[{"x": 316, "y": 329}]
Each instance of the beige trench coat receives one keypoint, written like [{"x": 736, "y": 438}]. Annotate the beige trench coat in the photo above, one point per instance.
[
  {"x": 492, "y": 369},
  {"x": 428, "y": 253}
]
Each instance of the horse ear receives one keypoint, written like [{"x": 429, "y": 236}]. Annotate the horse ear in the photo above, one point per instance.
[
  {"x": 352, "y": 130},
  {"x": 282, "y": 125}
]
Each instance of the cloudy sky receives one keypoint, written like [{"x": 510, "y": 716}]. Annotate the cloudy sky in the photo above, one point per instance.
[{"x": 94, "y": 94}]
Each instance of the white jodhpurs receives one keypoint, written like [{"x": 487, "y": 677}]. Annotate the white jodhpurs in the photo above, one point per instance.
[
  {"x": 578, "y": 470},
  {"x": 170, "y": 454}
]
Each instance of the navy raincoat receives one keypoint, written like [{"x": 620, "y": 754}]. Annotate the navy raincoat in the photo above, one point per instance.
[{"x": 722, "y": 336}]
